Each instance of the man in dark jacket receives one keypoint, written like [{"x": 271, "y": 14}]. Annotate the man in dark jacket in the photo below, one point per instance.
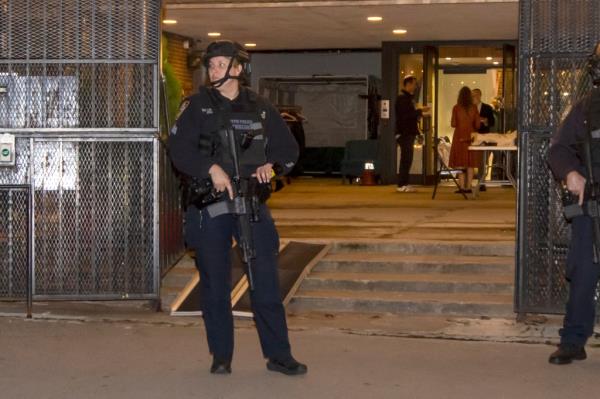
[
  {"x": 486, "y": 116},
  {"x": 407, "y": 119},
  {"x": 486, "y": 112}
]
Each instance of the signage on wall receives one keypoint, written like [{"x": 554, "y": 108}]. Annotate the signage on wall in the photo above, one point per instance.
[{"x": 385, "y": 109}]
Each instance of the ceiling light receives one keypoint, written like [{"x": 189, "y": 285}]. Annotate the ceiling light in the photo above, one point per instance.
[
  {"x": 448, "y": 58},
  {"x": 169, "y": 21},
  {"x": 374, "y": 19},
  {"x": 496, "y": 63},
  {"x": 488, "y": 58},
  {"x": 249, "y": 44},
  {"x": 399, "y": 31},
  {"x": 214, "y": 34}
]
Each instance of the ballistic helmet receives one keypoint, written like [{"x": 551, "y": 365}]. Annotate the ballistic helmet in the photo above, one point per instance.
[
  {"x": 226, "y": 48},
  {"x": 594, "y": 65}
]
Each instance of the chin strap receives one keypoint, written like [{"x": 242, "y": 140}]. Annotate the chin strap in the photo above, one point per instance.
[{"x": 218, "y": 83}]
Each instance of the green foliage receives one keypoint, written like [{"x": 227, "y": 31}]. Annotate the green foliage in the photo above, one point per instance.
[{"x": 172, "y": 86}]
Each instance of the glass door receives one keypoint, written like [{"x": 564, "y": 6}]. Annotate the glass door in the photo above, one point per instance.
[
  {"x": 423, "y": 65},
  {"x": 429, "y": 121},
  {"x": 509, "y": 89}
]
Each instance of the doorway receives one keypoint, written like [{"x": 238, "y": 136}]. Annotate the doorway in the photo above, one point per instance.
[{"x": 442, "y": 69}]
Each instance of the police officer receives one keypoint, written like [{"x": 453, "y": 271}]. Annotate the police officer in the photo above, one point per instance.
[
  {"x": 567, "y": 161},
  {"x": 199, "y": 151}
]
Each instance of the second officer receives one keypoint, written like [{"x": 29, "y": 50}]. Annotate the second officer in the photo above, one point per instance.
[{"x": 199, "y": 152}]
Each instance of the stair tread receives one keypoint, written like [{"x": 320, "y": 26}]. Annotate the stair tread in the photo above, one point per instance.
[
  {"x": 463, "y": 298},
  {"x": 425, "y": 277},
  {"x": 371, "y": 257}
]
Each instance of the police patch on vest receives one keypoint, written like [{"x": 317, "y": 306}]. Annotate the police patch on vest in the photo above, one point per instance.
[{"x": 182, "y": 108}]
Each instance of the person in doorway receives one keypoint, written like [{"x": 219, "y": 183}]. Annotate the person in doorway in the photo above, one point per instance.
[
  {"x": 486, "y": 112},
  {"x": 569, "y": 163},
  {"x": 465, "y": 120},
  {"x": 486, "y": 117},
  {"x": 407, "y": 129},
  {"x": 199, "y": 151}
]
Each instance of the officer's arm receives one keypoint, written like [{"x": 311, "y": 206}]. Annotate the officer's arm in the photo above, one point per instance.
[
  {"x": 282, "y": 148},
  {"x": 562, "y": 156},
  {"x": 189, "y": 155}
]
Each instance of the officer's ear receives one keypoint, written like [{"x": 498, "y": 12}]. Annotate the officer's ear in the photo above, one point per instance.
[{"x": 236, "y": 68}]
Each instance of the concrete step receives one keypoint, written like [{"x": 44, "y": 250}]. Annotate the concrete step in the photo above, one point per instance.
[
  {"x": 176, "y": 280},
  {"x": 458, "y": 304},
  {"x": 448, "y": 248},
  {"x": 377, "y": 262},
  {"x": 466, "y": 283}
]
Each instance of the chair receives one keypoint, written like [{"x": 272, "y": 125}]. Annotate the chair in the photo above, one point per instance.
[
  {"x": 443, "y": 151},
  {"x": 356, "y": 154}
]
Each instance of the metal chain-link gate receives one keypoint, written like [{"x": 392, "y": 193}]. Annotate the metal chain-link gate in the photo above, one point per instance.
[
  {"x": 79, "y": 91},
  {"x": 555, "y": 38}
]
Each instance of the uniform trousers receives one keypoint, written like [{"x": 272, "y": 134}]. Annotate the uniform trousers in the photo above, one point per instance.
[
  {"x": 582, "y": 274},
  {"x": 212, "y": 240},
  {"x": 407, "y": 150}
]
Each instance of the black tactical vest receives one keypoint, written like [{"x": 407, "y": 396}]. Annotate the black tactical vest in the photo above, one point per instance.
[
  {"x": 593, "y": 127},
  {"x": 247, "y": 118}
]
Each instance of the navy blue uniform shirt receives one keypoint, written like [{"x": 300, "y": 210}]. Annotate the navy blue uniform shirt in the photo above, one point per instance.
[
  {"x": 564, "y": 156},
  {"x": 191, "y": 142}
]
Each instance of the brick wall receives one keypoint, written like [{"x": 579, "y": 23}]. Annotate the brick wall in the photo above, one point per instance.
[{"x": 178, "y": 59}]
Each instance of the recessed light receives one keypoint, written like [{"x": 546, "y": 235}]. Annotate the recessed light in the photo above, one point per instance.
[
  {"x": 448, "y": 58},
  {"x": 374, "y": 19},
  {"x": 249, "y": 44},
  {"x": 496, "y": 63},
  {"x": 214, "y": 34},
  {"x": 399, "y": 31},
  {"x": 169, "y": 21},
  {"x": 488, "y": 58}
]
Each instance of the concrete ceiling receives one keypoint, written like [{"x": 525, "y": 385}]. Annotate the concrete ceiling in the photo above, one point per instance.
[{"x": 291, "y": 25}]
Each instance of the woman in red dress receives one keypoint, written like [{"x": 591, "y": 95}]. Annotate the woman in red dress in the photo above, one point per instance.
[{"x": 465, "y": 120}]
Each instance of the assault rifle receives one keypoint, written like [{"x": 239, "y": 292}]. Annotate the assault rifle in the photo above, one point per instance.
[{"x": 244, "y": 206}]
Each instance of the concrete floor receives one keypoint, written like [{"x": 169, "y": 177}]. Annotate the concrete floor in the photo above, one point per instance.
[
  {"x": 60, "y": 359},
  {"x": 326, "y": 209}
]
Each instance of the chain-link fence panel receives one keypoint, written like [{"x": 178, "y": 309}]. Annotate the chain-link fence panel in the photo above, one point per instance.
[
  {"x": 79, "y": 30},
  {"x": 94, "y": 218},
  {"x": 555, "y": 37},
  {"x": 14, "y": 239}
]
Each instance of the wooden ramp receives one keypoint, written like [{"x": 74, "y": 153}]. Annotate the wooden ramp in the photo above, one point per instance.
[{"x": 296, "y": 260}]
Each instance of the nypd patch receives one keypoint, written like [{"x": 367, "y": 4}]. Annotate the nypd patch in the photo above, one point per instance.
[{"x": 182, "y": 108}]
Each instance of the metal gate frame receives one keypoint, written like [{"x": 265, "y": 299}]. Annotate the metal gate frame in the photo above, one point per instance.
[
  {"x": 86, "y": 72},
  {"x": 555, "y": 38}
]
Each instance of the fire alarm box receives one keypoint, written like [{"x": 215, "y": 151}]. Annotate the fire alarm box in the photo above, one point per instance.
[{"x": 7, "y": 150}]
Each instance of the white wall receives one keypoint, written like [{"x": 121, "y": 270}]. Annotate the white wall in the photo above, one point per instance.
[
  {"x": 450, "y": 84},
  {"x": 314, "y": 63}
]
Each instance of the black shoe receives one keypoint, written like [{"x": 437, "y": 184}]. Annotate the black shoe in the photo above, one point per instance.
[
  {"x": 220, "y": 366},
  {"x": 459, "y": 191},
  {"x": 287, "y": 365},
  {"x": 566, "y": 353},
  {"x": 469, "y": 191},
  {"x": 482, "y": 188}
]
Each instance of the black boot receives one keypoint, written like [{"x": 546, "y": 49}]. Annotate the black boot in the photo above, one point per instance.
[
  {"x": 286, "y": 365},
  {"x": 566, "y": 353},
  {"x": 220, "y": 366}
]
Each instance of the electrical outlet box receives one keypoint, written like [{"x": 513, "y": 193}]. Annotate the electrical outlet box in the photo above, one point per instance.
[{"x": 7, "y": 150}]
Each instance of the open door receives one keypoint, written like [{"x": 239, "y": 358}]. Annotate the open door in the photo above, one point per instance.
[
  {"x": 509, "y": 89},
  {"x": 429, "y": 122}
]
